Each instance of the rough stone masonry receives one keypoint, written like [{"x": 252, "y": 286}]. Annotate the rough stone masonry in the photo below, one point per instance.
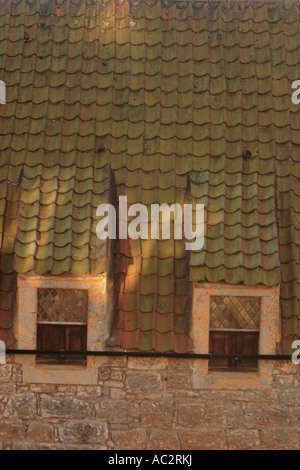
[{"x": 148, "y": 404}]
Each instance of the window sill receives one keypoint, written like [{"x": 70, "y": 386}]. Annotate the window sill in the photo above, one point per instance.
[
  {"x": 59, "y": 373},
  {"x": 238, "y": 371},
  {"x": 203, "y": 378},
  {"x": 233, "y": 373},
  {"x": 59, "y": 361}
]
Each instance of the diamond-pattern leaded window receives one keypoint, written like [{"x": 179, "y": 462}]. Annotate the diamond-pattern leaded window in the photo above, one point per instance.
[
  {"x": 234, "y": 312},
  {"x": 62, "y": 305}
]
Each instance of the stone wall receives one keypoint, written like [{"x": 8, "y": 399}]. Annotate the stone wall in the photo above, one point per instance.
[{"x": 149, "y": 404}]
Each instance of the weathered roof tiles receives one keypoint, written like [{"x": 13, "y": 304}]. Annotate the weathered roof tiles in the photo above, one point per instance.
[{"x": 170, "y": 95}]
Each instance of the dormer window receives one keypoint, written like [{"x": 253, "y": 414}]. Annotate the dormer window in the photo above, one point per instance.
[
  {"x": 61, "y": 318},
  {"x": 235, "y": 324}
]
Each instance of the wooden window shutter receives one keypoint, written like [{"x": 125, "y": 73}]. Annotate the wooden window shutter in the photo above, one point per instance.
[
  {"x": 51, "y": 338},
  {"x": 76, "y": 338}
]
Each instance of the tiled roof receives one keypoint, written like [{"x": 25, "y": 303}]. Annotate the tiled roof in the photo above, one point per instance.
[{"x": 170, "y": 95}]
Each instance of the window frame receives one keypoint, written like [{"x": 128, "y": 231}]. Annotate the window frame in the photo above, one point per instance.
[
  {"x": 269, "y": 331},
  {"x": 25, "y": 327},
  {"x": 232, "y": 339},
  {"x": 60, "y": 332}
]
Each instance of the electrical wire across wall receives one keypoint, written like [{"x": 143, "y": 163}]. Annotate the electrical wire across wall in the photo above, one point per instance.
[{"x": 125, "y": 353}]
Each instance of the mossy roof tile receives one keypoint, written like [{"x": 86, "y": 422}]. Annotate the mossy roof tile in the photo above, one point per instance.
[{"x": 166, "y": 90}]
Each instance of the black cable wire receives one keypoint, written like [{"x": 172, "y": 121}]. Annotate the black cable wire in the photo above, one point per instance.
[{"x": 265, "y": 357}]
